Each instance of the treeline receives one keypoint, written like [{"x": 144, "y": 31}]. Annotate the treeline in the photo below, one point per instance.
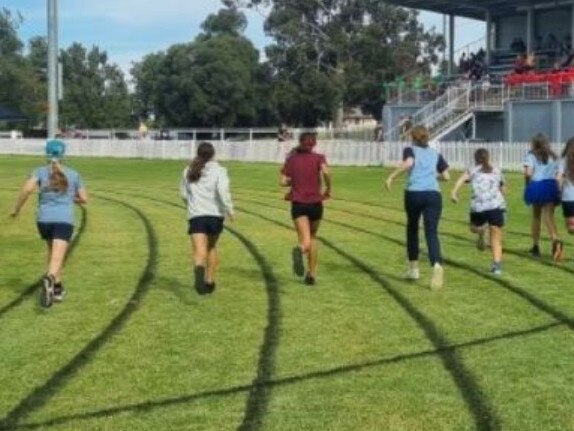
[{"x": 325, "y": 55}]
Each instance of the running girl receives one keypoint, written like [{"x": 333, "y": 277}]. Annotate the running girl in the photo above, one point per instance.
[
  {"x": 205, "y": 190},
  {"x": 540, "y": 170},
  {"x": 487, "y": 204},
  {"x": 59, "y": 187},
  {"x": 566, "y": 181},
  {"x": 423, "y": 198},
  {"x": 302, "y": 172}
]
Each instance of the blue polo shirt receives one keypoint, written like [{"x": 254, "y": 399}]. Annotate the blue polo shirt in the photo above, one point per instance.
[
  {"x": 428, "y": 162},
  {"x": 568, "y": 185},
  {"x": 53, "y": 206},
  {"x": 541, "y": 171}
]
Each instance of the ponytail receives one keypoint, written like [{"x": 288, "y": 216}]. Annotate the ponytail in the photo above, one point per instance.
[
  {"x": 58, "y": 181},
  {"x": 482, "y": 158},
  {"x": 205, "y": 153}
]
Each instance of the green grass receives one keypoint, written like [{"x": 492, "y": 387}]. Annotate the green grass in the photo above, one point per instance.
[{"x": 134, "y": 348}]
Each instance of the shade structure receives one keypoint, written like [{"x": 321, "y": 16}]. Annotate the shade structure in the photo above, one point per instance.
[{"x": 8, "y": 115}]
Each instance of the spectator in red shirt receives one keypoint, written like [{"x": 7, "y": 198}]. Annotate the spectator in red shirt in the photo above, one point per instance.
[{"x": 302, "y": 172}]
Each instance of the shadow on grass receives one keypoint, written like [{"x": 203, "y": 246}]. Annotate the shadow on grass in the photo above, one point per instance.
[
  {"x": 476, "y": 401},
  {"x": 29, "y": 291},
  {"x": 42, "y": 394},
  {"x": 147, "y": 406}
]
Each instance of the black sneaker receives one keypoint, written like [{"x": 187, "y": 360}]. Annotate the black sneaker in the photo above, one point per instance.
[
  {"x": 199, "y": 275},
  {"x": 298, "y": 266},
  {"x": 59, "y": 292},
  {"x": 47, "y": 291},
  {"x": 534, "y": 251},
  {"x": 557, "y": 250},
  {"x": 309, "y": 280},
  {"x": 210, "y": 287}
]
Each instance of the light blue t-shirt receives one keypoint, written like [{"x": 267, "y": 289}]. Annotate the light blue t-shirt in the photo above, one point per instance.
[
  {"x": 541, "y": 171},
  {"x": 567, "y": 185},
  {"x": 53, "y": 206},
  {"x": 428, "y": 162}
]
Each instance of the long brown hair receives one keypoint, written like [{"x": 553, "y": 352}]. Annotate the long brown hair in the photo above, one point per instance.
[
  {"x": 205, "y": 153},
  {"x": 568, "y": 156},
  {"x": 420, "y": 136},
  {"x": 58, "y": 181},
  {"x": 541, "y": 149},
  {"x": 482, "y": 158}
]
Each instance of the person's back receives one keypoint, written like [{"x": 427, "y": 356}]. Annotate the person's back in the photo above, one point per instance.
[
  {"x": 541, "y": 170},
  {"x": 304, "y": 170},
  {"x": 53, "y": 205},
  {"x": 486, "y": 194},
  {"x": 423, "y": 175},
  {"x": 209, "y": 195}
]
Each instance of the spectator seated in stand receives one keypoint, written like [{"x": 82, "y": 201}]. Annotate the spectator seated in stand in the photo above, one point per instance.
[{"x": 518, "y": 45}]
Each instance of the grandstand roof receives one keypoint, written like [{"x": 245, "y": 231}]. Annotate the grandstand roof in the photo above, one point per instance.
[
  {"x": 7, "y": 115},
  {"x": 468, "y": 8}
]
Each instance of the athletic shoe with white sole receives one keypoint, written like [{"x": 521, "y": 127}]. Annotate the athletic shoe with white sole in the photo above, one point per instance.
[
  {"x": 47, "y": 291},
  {"x": 59, "y": 292},
  {"x": 199, "y": 280},
  {"x": 437, "y": 277},
  {"x": 412, "y": 274},
  {"x": 309, "y": 280},
  {"x": 298, "y": 265},
  {"x": 496, "y": 268}
]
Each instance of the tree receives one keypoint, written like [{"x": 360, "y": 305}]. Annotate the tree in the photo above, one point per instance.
[
  {"x": 354, "y": 45},
  {"x": 95, "y": 92}
]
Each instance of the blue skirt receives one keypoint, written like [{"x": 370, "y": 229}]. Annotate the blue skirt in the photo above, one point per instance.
[{"x": 542, "y": 192}]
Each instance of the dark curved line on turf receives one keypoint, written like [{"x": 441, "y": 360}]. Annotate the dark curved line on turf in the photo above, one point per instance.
[
  {"x": 475, "y": 400},
  {"x": 146, "y": 406},
  {"x": 42, "y": 394},
  {"x": 29, "y": 291},
  {"x": 259, "y": 393}
]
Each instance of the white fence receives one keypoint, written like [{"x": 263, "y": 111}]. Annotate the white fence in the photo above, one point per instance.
[{"x": 338, "y": 153}]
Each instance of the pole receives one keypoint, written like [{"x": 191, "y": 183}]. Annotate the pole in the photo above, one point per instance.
[
  {"x": 52, "y": 124},
  {"x": 451, "y": 59}
]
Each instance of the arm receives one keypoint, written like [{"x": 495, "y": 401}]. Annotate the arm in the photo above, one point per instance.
[
  {"x": 444, "y": 175},
  {"x": 183, "y": 187},
  {"x": 326, "y": 174},
  {"x": 224, "y": 193},
  {"x": 284, "y": 180},
  {"x": 527, "y": 174},
  {"x": 81, "y": 197},
  {"x": 27, "y": 189},
  {"x": 461, "y": 180},
  {"x": 404, "y": 166}
]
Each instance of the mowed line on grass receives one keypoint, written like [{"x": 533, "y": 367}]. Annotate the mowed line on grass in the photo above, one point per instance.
[{"x": 43, "y": 393}]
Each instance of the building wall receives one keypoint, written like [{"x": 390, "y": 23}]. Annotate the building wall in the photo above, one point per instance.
[
  {"x": 392, "y": 114},
  {"x": 556, "y": 21},
  {"x": 490, "y": 126},
  {"x": 553, "y": 118}
]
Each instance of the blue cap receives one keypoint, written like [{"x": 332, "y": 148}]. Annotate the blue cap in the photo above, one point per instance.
[{"x": 55, "y": 149}]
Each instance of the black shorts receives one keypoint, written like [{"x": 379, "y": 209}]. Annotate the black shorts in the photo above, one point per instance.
[
  {"x": 52, "y": 231},
  {"x": 314, "y": 212},
  {"x": 208, "y": 225},
  {"x": 493, "y": 218},
  {"x": 568, "y": 209}
]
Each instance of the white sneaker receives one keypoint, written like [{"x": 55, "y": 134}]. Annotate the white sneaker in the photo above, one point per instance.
[
  {"x": 412, "y": 274},
  {"x": 437, "y": 277}
]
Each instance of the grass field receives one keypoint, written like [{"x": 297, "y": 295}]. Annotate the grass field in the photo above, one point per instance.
[{"x": 134, "y": 348}]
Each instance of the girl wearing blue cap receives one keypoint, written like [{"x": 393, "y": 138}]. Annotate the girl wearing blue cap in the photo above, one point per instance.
[
  {"x": 58, "y": 189},
  {"x": 542, "y": 193}
]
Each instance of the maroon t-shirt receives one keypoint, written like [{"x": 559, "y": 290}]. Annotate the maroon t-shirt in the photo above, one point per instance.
[{"x": 304, "y": 169}]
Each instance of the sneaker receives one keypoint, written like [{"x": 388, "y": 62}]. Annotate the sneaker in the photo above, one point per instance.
[
  {"x": 309, "y": 280},
  {"x": 412, "y": 274},
  {"x": 210, "y": 287},
  {"x": 47, "y": 291},
  {"x": 437, "y": 277},
  {"x": 480, "y": 241},
  {"x": 199, "y": 276},
  {"x": 557, "y": 250},
  {"x": 496, "y": 268},
  {"x": 298, "y": 266},
  {"x": 59, "y": 292},
  {"x": 534, "y": 251}
]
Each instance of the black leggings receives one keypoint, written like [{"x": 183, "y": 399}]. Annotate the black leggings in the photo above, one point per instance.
[{"x": 429, "y": 205}]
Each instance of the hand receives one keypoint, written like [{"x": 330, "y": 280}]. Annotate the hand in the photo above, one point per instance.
[
  {"x": 327, "y": 195},
  {"x": 231, "y": 217},
  {"x": 14, "y": 213},
  {"x": 454, "y": 198},
  {"x": 388, "y": 184}
]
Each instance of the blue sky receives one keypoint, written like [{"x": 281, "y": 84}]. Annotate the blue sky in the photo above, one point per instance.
[{"x": 128, "y": 29}]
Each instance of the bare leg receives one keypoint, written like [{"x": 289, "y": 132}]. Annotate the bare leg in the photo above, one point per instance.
[
  {"x": 481, "y": 232},
  {"x": 57, "y": 254},
  {"x": 570, "y": 225},
  {"x": 535, "y": 226},
  {"x": 549, "y": 223},
  {"x": 313, "y": 255},
  {"x": 199, "y": 247},
  {"x": 303, "y": 227},
  {"x": 496, "y": 243},
  {"x": 212, "y": 258}
]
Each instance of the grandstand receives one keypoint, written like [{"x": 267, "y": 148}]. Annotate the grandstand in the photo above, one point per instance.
[{"x": 527, "y": 85}]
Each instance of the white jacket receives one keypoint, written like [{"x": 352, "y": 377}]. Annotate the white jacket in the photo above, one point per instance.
[{"x": 210, "y": 195}]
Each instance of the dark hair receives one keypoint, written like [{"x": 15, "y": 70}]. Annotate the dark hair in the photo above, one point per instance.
[
  {"x": 58, "y": 181},
  {"x": 205, "y": 153},
  {"x": 307, "y": 141},
  {"x": 420, "y": 136},
  {"x": 541, "y": 149},
  {"x": 568, "y": 156},
  {"x": 482, "y": 158}
]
